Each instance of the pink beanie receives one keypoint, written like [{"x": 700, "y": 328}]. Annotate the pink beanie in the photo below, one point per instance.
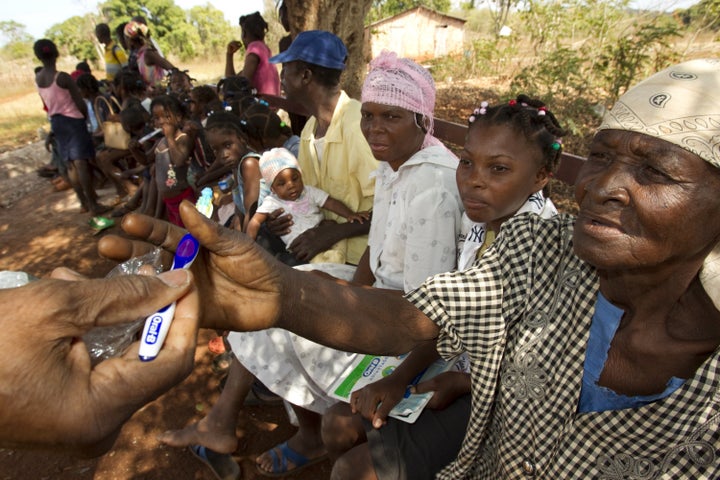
[
  {"x": 275, "y": 161},
  {"x": 400, "y": 82}
]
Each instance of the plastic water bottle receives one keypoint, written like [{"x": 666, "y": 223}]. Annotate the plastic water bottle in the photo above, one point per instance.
[{"x": 204, "y": 203}]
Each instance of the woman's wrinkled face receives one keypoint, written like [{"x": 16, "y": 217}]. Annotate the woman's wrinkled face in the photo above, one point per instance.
[
  {"x": 644, "y": 203},
  {"x": 392, "y": 133},
  {"x": 498, "y": 170},
  {"x": 227, "y": 146}
]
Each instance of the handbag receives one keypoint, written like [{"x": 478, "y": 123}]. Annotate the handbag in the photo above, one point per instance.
[{"x": 114, "y": 134}]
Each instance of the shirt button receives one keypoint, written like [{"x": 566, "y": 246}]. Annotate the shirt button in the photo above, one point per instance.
[{"x": 528, "y": 467}]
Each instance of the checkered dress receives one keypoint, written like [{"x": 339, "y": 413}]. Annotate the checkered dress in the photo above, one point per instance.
[{"x": 524, "y": 314}]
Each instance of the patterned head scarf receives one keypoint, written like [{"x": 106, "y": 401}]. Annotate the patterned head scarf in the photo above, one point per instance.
[
  {"x": 275, "y": 161},
  {"x": 680, "y": 105},
  {"x": 400, "y": 82}
]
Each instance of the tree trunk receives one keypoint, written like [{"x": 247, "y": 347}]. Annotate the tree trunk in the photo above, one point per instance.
[{"x": 344, "y": 19}]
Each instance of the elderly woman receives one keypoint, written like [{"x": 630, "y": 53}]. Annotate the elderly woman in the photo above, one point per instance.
[
  {"x": 417, "y": 216},
  {"x": 593, "y": 339}
]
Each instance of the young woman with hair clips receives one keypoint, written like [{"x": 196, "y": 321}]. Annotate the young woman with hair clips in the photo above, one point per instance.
[{"x": 510, "y": 151}]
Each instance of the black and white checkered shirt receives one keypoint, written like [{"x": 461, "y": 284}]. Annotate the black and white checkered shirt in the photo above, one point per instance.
[{"x": 523, "y": 314}]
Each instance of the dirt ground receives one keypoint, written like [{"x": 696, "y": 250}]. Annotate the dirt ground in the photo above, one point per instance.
[{"x": 41, "y": 229}]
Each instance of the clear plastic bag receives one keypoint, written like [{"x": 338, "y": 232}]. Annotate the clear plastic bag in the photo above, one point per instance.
[
  {"x": 10, "y": 279},
  {"x": 106, "y": 342}
]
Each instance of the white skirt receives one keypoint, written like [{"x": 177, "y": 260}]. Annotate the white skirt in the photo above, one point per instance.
[{"x": 296, "y": 369}]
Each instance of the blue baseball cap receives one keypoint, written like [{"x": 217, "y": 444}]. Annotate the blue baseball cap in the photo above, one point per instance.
[{"x": 316, "y": 47}]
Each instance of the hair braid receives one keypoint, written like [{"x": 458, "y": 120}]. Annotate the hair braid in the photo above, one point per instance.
[{"x": 530, "y": 117}]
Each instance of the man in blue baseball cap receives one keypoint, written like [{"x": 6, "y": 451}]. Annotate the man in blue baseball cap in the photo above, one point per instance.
[
  {"x": 311, "y": 72},
  {"x": 334, "y": 156}
]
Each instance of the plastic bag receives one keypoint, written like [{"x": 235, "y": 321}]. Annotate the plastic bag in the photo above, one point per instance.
[
  {"x": 10, "y": 279},
  {"x": 106, "y": 342}
]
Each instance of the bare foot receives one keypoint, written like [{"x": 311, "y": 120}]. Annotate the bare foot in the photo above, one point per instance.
[
  {"x": 214, "y": 436},
  {"x": 310, "y": 448}
]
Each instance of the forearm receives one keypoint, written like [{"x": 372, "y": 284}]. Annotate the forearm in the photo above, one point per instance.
[
  {"x": 253, "y": 226},
  {"x": 341, "y": 231},
  {"x": 337, "y": 207},
  {"x": 352, "y": 318},
  {"x": 420, "y": 358},
  {"x": 229, "y": 65},
  {"x": 216, "y": 171},
  {"x": 179, "y": 152}
]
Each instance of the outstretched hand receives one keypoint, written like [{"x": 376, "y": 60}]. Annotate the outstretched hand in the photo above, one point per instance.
[
  {"x": 240, "y": 285},
  {"x": 51, "y": 395}
]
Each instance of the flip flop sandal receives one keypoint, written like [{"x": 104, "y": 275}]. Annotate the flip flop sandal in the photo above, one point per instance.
[
  {"x": 101, "y": 223},
  {"x": 222, "y": 465},
  {"x": 221, "y": 363},
  {"x": 280, "y": 463}
]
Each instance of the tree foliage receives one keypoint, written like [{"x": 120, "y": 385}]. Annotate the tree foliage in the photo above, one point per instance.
[
  {"x": 213, "y": 30},
  {"x": 705, "y": 14},
  {"x": 17, "y": 43},
  {"x": 75, "y": 37},
  {"x": 593, "y": 48}
]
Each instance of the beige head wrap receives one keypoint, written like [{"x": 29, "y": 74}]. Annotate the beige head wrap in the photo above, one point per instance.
[{"x": 680, "y": 105}]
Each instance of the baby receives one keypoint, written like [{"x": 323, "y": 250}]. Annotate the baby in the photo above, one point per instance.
[{"x": 280, "y": 170}]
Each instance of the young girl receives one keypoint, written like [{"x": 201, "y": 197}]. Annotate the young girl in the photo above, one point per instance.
[
  {"x": 68, "y": 114},
  {"x": 264, "y": 129},
  {"x": 281, "y": 171},
  {"x": 172, "y": 155},
  {"x": 225, "y": 136},
  {"x": 263, "y": 75},
  {"x": 256, "y": 130},
  {"x": 135, "y": 120},
  {"x": 200, "y": 97},
  {"x": 509, "y": 154},
  {"x": 180, "y": 83}
]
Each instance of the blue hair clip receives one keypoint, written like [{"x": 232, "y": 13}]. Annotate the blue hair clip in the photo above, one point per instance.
[{"x": 263, "y": 102}]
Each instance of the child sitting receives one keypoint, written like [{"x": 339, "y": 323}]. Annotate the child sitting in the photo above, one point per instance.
[
  {"x": 172, "y": 155},
  {"x": 135, "y": 121},
  {"x": 281, "y": 171}
]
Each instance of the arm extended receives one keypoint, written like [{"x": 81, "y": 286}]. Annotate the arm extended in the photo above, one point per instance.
[{"x": 243, "y": 288}]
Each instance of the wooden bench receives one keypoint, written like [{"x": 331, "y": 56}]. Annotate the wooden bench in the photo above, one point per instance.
[{"x": 453, "y": 133}]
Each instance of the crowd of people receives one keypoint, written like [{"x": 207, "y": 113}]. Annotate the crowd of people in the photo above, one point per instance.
[{"x": 576, "y": 346}]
